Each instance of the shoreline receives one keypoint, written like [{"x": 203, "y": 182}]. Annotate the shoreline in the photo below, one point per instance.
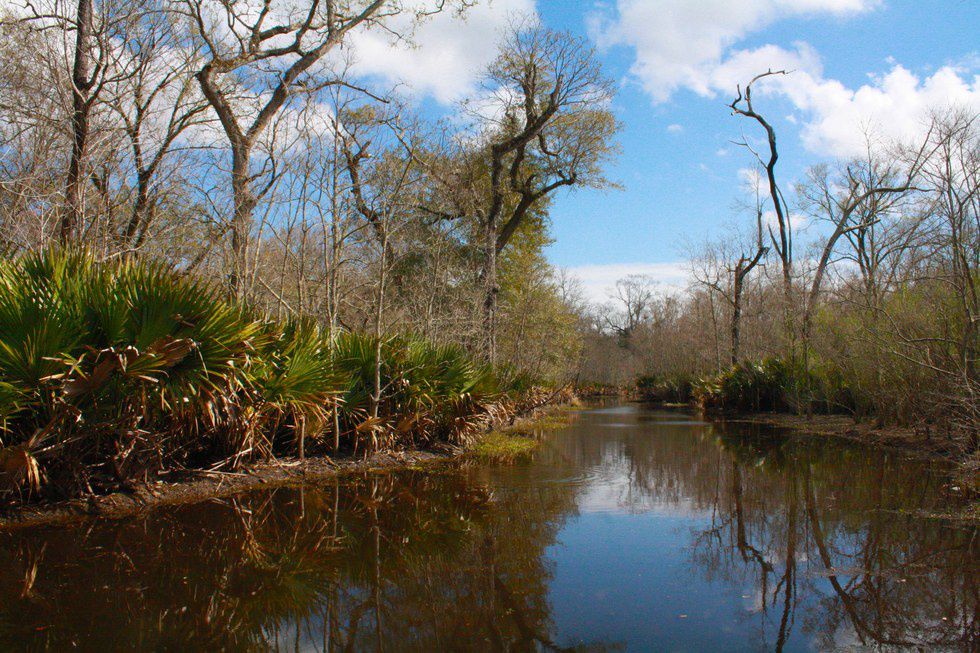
[
  {"x": 964, "y": 468},
  {"x": 963, "y": 472},
  {"x": 835, "y": 425},
  {"x": 198, "y": 486},
  {"x": 843, "y": 426}
]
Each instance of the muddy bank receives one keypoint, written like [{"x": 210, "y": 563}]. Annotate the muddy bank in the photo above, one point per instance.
[
  {"x": 934, "y": 445},
  {"x": 195, "y": 486},
  {"x": 842, "y": 426},
  {"x": 965, "y": 466},
  {"x": 914, "y": 443}
]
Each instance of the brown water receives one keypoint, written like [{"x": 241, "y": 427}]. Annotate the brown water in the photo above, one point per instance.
[{"x": 630, "y": 530}]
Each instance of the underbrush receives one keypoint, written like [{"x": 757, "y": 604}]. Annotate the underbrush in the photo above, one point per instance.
[
  {"x": 774, "y": 385},
  {"x": 111, "y": 372},
  {"x": 671, "y": 390}
]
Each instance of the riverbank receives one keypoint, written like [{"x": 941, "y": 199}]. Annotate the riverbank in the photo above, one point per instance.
[
  {"x": 196, "y": 486},
  {"x": 916, "y": 442},
  {"x": 965, "y": 476}
]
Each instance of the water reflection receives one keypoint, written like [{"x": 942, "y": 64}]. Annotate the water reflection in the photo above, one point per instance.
[{"x": 631, "y": 529}]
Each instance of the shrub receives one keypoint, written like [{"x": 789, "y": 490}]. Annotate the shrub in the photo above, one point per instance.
[
  {"x": 774, "y": 385},
  {"x": 676, "y": 389},
  {"x": 744, "y": 387},
  {"x": 115, "y": 367}
]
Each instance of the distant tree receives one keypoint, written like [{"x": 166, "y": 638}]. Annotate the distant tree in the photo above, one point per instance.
[{"x": 632, "y": 304}]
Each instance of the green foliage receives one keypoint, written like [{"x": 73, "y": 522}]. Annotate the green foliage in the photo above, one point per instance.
[
  {"x": 775, "y": 385},
  {"x": 427, "y": 390},
  {"x": 537, "y": 331},
  {"x": 111, "y": 371},
  {"x": 676, "y": 390},
  {"x": 746, "y": 387},
  {"x": 504, "y": 447}
]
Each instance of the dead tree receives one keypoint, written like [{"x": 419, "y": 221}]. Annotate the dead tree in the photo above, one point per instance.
[{"x": 783, "y": 240}]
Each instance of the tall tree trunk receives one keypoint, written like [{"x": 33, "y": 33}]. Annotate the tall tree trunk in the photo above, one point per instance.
[
  {"x": 136, "y": 227},
  {"x": 736, "y": 317},
  {"x": 81, "y": 78},
  {"x": 378, "y": 334},
  {"x": 241, "y": 222},
  {"x": 490, "y": 291}
]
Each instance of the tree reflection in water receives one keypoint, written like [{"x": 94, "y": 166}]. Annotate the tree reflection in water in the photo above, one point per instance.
[
  {"x": 827, "y": 528},
  {"x": 824, "y": 539},
  {"x": 383, "y": 562}
]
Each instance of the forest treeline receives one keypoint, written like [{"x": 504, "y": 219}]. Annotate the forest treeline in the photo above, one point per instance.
[
  {"x": 854, "y": 290},
  {"x": 236, "y": 143}
]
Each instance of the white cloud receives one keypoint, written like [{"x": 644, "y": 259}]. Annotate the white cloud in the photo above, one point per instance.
[
  {"x": 679, "y": 43},
  {"x": 675, "y": 128},
  {"x": 448, "y": 52},
  {"x": 751, "y": 179},
  {"x": 892, "y": 106},
  {"x": 837, "y": 120},
  {"x": 599, "y": 281}
]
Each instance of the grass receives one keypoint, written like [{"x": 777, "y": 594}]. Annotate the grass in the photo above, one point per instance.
[
  {"x": 518, "y": 441},
  {"x": 499, "y": 446}
]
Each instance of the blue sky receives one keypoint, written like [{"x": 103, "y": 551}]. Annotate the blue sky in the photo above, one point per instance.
[
  {"x": 861, "y": 68},
  {"x": 682, "y": 183}
]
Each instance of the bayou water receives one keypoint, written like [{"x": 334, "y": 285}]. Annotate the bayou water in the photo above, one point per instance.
[{"x": 631, "y": 529}]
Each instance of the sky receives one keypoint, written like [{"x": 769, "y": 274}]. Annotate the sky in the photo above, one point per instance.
[
  {"x": 860, "y": 68},
  {"x": 855, "y": 63}
]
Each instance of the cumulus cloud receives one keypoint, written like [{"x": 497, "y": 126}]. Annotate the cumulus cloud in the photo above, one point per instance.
[
  {"x": 892, "y": 106},
  {"x": 447, "y": 52},
  {"x": 839, "y": 121},
  {"x": 679, "y": 43},
  {"x": 675, "y": 128},
  {"x": 694, "y": 46}
]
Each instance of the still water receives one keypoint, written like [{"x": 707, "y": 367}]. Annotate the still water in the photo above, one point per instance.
[{"x": 632, "y": 529}]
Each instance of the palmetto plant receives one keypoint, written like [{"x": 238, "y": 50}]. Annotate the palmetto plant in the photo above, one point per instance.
[
  {"x": 428, "y": 391},
  {"x": 113, "y": 370},
  {"x": 108, "y": 366},
  {"x": 296, "y": 378}
]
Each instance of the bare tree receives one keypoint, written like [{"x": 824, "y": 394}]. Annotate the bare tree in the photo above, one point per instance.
[
  {"x": 156, "y": 100},
  {"x": 381, "y": 194},
  {"x": 35, "y": 105},
  {"x": 783, "y": 240},
  {"x": 283, "y": 47},
  {"x": 633, "y": 301},
  {"x": 84, "y": 92},
  {"x": 860, "y": 196},
  {"x": 723, "y": 268},
  {"x": 96, "y": 30}
]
